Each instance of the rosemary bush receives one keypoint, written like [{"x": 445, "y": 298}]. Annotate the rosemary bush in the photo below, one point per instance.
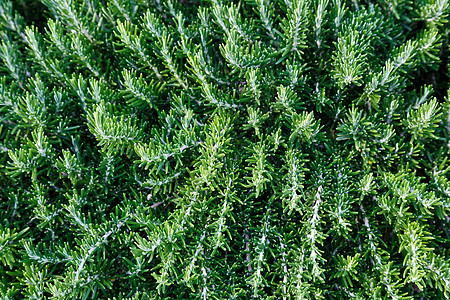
[{"x": 268, "y": 149}]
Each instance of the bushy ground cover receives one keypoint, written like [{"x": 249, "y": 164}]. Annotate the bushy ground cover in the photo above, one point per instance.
[{"x": 268, "y": 149}]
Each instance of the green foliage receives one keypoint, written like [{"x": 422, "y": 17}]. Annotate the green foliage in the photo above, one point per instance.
[{"x": 269, "y": 149}]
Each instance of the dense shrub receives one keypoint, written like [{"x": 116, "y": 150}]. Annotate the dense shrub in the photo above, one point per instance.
[{"x": 269, "y": 149}]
